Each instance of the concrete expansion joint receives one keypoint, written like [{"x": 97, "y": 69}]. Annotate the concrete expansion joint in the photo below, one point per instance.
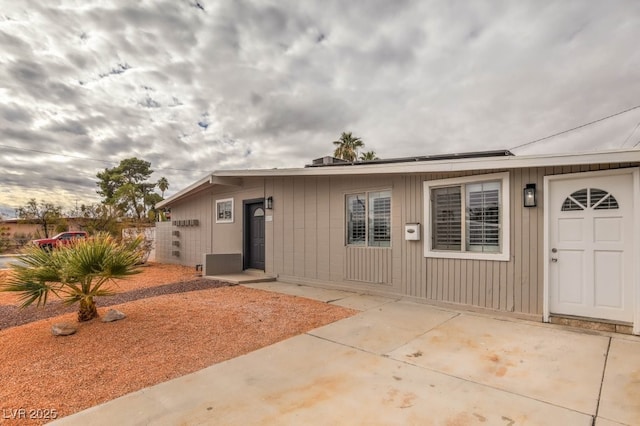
[
  {"x": 457, "y": 314},
  {"x": 310, "y": 333},
  {"x": 604, "y": 370}
]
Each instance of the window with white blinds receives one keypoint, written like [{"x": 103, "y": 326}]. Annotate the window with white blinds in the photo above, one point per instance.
[
  {"x": 380, "y": 219},
  {"x": 356, "y": 219},
  {"x": 483, "y": 217},
  {"x": 447, "y": 213},
  {"x": 368, "y": 218},
  {"x": 466, "y": 217},
  {"x": 224, "y": 210}
]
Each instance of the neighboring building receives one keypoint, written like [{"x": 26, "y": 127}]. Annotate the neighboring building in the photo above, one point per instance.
[
  {"x": 449, "y": 230},
  {"x": 15, "y": 233},
  {"x": 15, "y": 226},
  {"x": 34, "y": 230}
]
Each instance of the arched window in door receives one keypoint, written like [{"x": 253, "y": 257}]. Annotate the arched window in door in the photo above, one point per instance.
[{"x": 593, "y": 198}]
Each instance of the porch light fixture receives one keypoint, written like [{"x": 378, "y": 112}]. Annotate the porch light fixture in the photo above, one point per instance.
[
  {"x": 530, "y": 195},
  {"x": 268, "y": 203}
]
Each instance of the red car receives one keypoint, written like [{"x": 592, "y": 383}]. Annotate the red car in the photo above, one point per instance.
[{"x": 61, "y": 238}]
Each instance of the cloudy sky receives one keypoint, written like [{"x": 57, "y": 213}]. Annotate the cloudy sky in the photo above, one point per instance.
[{"x": 199, "y": 85}]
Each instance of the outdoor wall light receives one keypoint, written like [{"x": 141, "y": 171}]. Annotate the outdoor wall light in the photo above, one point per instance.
[
  {"x": 268, "y": 203},
  {"x": 530, "y": 195}
]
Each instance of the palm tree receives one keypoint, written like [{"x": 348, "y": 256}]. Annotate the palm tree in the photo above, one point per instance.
[
  {"x": 347, "y": 147},
  {"x": 76, "y": 273},
  {"x": 163, "y": 185},
  {"x": 368, "y": 156}
]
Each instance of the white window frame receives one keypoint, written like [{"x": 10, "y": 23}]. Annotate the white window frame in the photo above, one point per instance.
[
  {"x": 505, "y": 214},
  {"x": 367, "y": 218},
  {"x": 220, "y": 202}
]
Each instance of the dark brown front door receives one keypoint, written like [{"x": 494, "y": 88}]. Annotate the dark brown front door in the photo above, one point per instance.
[{"x": 254, "y": 235}]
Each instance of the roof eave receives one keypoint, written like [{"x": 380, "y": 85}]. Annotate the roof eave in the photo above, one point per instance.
[
  {"x": 196, "y": 187},
  {"x": 449, "y": 165},
  {"x": 233, "y": 177},
  {"x": 201, "y": 185}
]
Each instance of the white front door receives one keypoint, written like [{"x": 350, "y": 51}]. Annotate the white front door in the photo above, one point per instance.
[{"x": 591, "y": 271}]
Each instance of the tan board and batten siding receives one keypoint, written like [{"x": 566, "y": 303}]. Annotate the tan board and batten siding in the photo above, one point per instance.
[
  {"x": 208, "y": 236},
  {"x": 305, "y": 241},
  {"x": 191, "y": 241}
]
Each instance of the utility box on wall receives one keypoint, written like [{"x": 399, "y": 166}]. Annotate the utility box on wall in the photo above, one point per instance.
[{"x": 412, "y": 232}]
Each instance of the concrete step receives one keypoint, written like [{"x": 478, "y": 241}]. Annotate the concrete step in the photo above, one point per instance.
[{"x": 244, "y": 277}]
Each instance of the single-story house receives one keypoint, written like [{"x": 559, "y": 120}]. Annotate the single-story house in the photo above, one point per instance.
[{"x": 540, "y": 236}]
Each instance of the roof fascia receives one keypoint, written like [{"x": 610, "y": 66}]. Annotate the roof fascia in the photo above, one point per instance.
[
  {"x": 197, "y": 186},
  {"x": 439, "y": 166},
  {"x": 234, "y": 177},
  {"x": 227, "y": 181}
]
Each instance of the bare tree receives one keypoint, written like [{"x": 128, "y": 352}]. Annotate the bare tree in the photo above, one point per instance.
[{"x": 44, "y": 214}]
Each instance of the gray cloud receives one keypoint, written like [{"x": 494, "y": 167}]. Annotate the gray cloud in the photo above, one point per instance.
[
  {"x": 13, "y": 45},
  {"x": 14, "y": 113},
  {"x": 71, "y": 126}
]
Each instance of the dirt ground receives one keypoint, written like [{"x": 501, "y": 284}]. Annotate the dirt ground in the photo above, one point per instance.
[{"x": 163, "y": 337}]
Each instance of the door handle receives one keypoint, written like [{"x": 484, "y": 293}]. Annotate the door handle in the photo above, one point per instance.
[{"x": 554, "y": 259}]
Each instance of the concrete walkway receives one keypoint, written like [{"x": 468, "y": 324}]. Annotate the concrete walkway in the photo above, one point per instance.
[{"x": 402, "y": 363}]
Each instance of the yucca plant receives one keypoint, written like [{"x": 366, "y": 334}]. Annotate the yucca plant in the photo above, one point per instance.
[{"x": 77, "y": 273}]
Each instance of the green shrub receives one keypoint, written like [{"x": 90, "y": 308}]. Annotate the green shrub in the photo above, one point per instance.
[{"x": 77, "y": 273}]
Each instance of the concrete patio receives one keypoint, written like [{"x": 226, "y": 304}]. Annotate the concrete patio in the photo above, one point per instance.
[{"x": 399, "y": 362}]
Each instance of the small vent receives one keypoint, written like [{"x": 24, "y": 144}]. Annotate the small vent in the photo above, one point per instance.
[
  {"x": 176, "y": 233},
  {"x": 186, "y": 222},
  {"x": 175, "y": 243},
  {"x": 323, "y": 161},
  {"x": 175, "y": 253}
]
